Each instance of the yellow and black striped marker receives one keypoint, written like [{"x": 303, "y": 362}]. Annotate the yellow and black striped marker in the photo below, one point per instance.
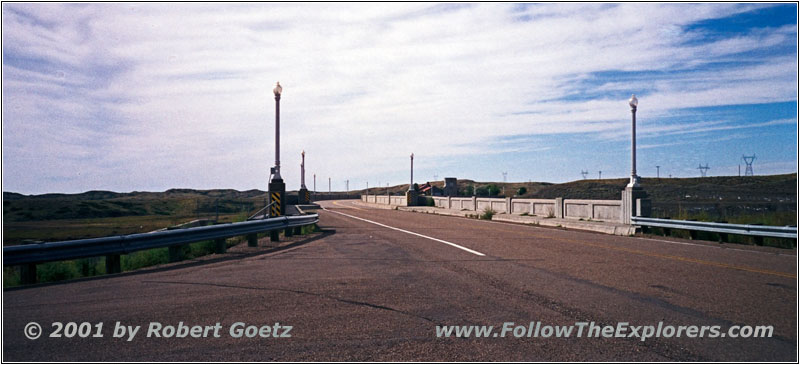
[
  {"x": 275, "y": 209},
  {"x": 308, "y": 196}
]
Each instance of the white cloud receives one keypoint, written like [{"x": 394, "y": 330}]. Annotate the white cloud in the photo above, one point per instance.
[{"x": 183, "y": 91}]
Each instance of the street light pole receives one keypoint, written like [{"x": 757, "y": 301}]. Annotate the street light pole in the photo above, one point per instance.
[
  {"x": 633, "y": 102},
  {"x": 411, "y": 185},
  {"x": 303, "y": 197},
  {"x": 277, "y": 189},
  {"x": 278, "y": 90}
]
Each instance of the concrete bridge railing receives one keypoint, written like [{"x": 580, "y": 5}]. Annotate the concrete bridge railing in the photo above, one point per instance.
[{"x": 599, "y": 210}]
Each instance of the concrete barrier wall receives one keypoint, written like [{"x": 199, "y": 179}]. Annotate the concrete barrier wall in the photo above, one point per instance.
[
  {"x": 600, "y": 210},
  {"x": 496, "y": 204},
  {"x": 541, "y": 207},
  {"x": 399, "y": 200},
  {"x": 440, "y": 202},
  {"x": 384, "y": 199},
  {"x": 461, "y": 204}
]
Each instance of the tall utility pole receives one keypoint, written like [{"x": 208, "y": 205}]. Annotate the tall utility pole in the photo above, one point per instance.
[
  {"x": 411, "y": 185},
  {"x": 658, "y": 171},
  {"x": 584, "y": 173},
  {"x": 329, "y": 186},
  {"x": 600, "y": 175},
  {"x": 277, "y": 189},
  {"x": 347, "y": 185}
]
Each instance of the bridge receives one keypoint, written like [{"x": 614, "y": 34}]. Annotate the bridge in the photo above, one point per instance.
[{"x": 380, "y": 284}]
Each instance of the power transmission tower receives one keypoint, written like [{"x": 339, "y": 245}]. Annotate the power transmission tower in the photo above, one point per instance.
[
  {"x": 600, "y": 175},
  {"x": 658, "y": 172},
  {"x": 703, "y": 169},
  {"x": 748, "y": 171},
  {"x": 584, "y": 173}
]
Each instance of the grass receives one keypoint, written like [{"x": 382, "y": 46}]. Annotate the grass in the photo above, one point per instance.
[
  {"x": 488, "y": 213},
  {"x": 786, "y": 218}
]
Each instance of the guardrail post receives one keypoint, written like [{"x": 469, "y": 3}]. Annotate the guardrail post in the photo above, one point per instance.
[
  {"x": 220, "y": 245},
  {"x": 27, "y": 274},
  {"x": 175, "y": 253},
  {"x": 252, "y": 240},
  {"x": 113, "y": 264}
]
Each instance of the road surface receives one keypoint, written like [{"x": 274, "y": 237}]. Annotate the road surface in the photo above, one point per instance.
[{"x": 376, "y": 284}]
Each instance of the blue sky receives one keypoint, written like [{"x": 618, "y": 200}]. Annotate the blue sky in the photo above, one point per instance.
[{"x": 152, "y": 96}]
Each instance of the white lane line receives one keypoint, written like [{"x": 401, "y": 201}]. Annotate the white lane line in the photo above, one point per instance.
[{"x": 409, "y": 232}]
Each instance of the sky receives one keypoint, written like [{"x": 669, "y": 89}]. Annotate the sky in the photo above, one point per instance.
[{"x": 152, "y": 96}]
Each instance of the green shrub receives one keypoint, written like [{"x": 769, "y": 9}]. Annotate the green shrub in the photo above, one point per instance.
[
  {"x": 56, "y": 271},
  {"x": 493, "y": 190},
  {"x": 470, "y": 191},
  {"x": 140, "y": 259},
  {"x": 488, "y": 213},
  {"x": 521, "y": 191},
  {"x": 429, "y": 201}
]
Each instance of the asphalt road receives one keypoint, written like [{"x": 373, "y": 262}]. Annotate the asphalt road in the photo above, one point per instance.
[{"x": 375, "y": 284}]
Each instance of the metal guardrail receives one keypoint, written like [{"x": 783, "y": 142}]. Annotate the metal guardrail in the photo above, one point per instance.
[
  {"x": 262, "y": 212},
  {"x": 117, "y": 245},
  {"x": 742, "y": 229}
]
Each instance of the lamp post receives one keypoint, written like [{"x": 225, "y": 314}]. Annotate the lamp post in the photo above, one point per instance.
[
  {"x": 277, "y": 90},
  {"x": 411, "y": 185},
  {"x": 303, "y": 196},
  {"x": 633, "y": 102},
  {"x": 277, "y": 189}
]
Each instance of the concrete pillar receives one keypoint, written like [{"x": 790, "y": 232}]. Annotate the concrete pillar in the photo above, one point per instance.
[
  {"x": 474, "y": 203},
  {"x": 559, "y": 208},
  {"x": 644, "y": 207},
  {"x": 449, "y": 203},
  {"x": 508, "y": 205},
  {"x": 629, "y": 197},
  {"x": 411, "y": 198}
]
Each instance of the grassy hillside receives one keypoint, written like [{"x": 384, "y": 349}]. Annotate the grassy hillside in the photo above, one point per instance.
[
  {"x": 106, "y": 204},
  {"x": 754, "y": 199}
]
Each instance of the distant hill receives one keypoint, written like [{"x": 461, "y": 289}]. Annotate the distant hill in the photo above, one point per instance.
[
  {"x": 729, "y": 193},
  {"x": 102, "y": 204}
]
